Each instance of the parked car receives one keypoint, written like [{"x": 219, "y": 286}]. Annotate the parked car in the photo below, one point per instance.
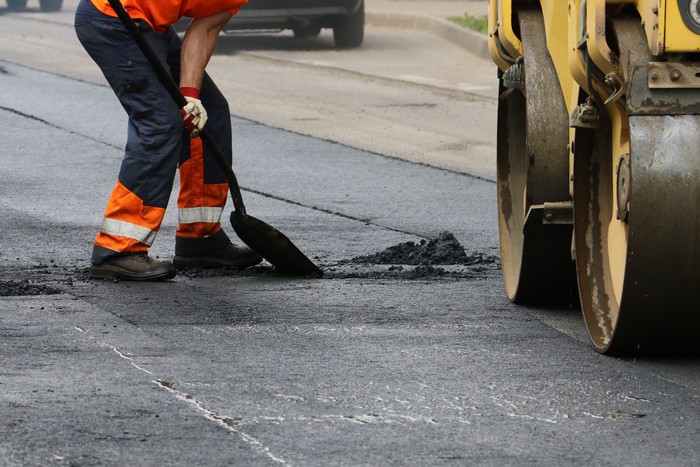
[
  {"x": 45, "y": 5},
  {"x": 306, "y": 18}
]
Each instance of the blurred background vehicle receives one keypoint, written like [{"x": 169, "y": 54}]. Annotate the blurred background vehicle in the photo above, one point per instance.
[
  {"x": 45, "y": 5},
  {"x": 305, "y": 18}
]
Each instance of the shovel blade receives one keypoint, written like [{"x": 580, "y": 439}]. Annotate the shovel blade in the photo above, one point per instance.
[{"x": 273, "y": 245}]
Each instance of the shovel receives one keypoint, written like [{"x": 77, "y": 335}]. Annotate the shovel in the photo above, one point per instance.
[{"x": 262, "y": 238}]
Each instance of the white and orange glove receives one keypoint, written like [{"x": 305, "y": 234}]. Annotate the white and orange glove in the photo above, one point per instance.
[{"x": 193, "y": 114}]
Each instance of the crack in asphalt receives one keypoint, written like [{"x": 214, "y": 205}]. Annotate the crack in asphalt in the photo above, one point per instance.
[
  {"x": 225, "y": 422},
  {"x": 113, "y": 348},
  {"x": 228, "y": 423}
]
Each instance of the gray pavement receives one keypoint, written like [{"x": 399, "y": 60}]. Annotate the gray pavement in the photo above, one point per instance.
[{"x": 254, "y": 369}]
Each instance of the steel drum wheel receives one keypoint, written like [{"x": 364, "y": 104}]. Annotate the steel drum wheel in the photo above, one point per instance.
[
  {"x": 532, "y": 168},
  {"x": 600, "y": 238},
  {"x": 637, "y": 230},
  {"x": 511, "y": 188}
]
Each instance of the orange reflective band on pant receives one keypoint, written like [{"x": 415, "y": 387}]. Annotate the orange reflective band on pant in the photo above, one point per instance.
[
  {"x": 128, "y": 225},
  {"x": 200, "y": 204}
]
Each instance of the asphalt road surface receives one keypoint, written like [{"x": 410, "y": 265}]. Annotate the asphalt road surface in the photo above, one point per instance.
[{"x": 372, "y": 365}]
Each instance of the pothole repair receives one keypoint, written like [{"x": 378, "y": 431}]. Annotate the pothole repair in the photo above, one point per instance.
[{"x": 439, "y": 257}]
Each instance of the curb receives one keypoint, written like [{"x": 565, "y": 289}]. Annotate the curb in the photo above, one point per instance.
[{"x": 465, "y": 38}]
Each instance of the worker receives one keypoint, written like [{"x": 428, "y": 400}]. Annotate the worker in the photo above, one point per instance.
[{"x": 162, "y": 137}]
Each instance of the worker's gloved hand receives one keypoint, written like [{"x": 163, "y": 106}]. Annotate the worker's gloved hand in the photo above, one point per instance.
[{"x": 193, "y": 114}]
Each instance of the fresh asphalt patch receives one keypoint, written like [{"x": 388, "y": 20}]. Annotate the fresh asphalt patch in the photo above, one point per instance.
[
  {"x": 25, "y": 287},
  {"x": 40, "y": 279},
  {"x": 441, "y": 257}
]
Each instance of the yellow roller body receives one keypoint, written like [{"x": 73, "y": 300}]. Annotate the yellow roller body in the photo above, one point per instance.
[{"x": 616, "y": 160}]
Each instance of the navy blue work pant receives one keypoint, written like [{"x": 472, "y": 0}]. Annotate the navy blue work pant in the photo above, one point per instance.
[{"x": 156, "y": 144}]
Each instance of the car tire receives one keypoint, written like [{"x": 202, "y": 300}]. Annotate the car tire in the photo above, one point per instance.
[
  {"x": 16, "y": 4},
  {"x": 350, "y": 31},
  {"x": 307, "y": 31},
  {"x": 50, "y": 5}
]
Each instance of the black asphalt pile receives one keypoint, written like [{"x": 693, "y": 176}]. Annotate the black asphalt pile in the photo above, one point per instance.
[
  {"x": 435, "y": 258},
  {"x": 444, "y": 249}
]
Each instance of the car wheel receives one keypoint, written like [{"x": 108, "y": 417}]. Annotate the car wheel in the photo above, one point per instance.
[
  {"x": 50, "y": 5},
  {"x": 16, "y": 4},
  {"x": 307, "y": 31},
  {"x": 350, "y": 31}
]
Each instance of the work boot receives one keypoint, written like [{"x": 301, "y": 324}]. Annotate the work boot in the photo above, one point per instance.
[
  {"x": 133, "y": 267},
  {"x": 229, "y": 256}
]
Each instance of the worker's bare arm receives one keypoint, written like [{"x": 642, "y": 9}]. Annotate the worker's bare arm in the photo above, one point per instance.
[{"x": 198, "y": 46}]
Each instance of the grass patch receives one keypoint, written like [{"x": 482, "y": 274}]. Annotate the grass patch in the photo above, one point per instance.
[{"x": 479, "y": 23}]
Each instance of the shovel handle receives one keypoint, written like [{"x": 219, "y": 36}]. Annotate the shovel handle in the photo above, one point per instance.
[{"x": 167, "y": 80}]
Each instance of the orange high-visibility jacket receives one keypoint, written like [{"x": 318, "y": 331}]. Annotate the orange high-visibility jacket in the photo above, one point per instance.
[{"x": 161, "y": 14}]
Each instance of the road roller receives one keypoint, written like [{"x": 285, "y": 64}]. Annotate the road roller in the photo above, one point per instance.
[{"x": 598, "y": 164}]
